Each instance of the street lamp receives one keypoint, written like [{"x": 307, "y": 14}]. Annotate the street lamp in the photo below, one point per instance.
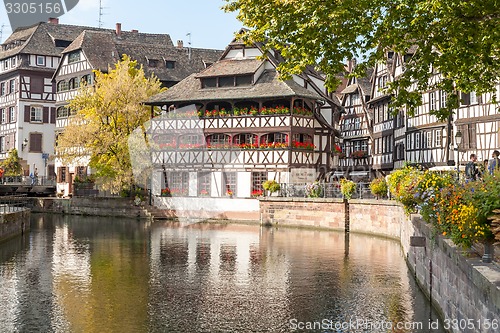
[
  {"x": 24, "y": 144},
  {"x": 458, "y": 141}
]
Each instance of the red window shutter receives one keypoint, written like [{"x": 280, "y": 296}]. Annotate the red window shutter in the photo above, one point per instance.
[
  {"x": 45, "y": 114},
  {"x": 27, "y": 115}
]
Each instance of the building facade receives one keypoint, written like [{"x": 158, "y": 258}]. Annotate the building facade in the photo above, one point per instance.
[{"x": 226, "y": 130}]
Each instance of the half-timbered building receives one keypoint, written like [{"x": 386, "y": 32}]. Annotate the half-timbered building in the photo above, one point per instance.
[
  {"x": 229, "y": 128},
  {"x": 355, "y": 155},
  {"x": 98, "y": 50},
  {"x": 28, "y": 59}
]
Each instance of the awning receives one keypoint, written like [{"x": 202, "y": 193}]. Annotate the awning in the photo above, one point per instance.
[{"x": 350, "y": 89}]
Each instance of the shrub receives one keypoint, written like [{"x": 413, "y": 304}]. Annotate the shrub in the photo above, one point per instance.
[
  {"x": 378, "y": 186},
  {"x": 347, "y": 187}
]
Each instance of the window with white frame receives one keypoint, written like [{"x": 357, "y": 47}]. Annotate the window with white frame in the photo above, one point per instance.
[
  {"x": 40, "y": 60},
  {"x": 417, "y": 140},
  {"x": 12, "y": 114},
  {"x": 204, "y": 183},
  {"x": 443, "y": 96},
  {"x": 2, "y": 144},
  {"x": 428, "y": 139},
  {"x": 36, "y": 114},
  {"x": 229, "y": 180},
  {"x": 2, "y": 89},
  {"x": 473, "y": 97},
  {"x": 438, "y": 135},
  {"x": 3, "y": 115},
  {"x": 432, "y": 101},
  {"x": 12, "y": 86}
]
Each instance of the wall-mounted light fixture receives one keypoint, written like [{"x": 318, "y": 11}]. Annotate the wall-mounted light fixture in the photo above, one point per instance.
[{"x": 24, "y": 144}]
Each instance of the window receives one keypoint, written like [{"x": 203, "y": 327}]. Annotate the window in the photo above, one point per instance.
[
  {"x": 87, "y": 79},
  {"x": 210, "y": 82},
  {"x": 61, "y": 175},
  {"x": 226, "y": 81},
  {"x": 417, "y": 140},
  {"x": 473, "y": 97},
  {"x": 13, "y": 62},
  {"x": 245, "y": 80},
  {"x": 35, "y": 143},
  {"x": 204, "y": 183},
  {"x": 443, "y": 99},
  {"x": 2, "y": 144},
  {"x": 62, "y": 86},
  {"x": 5, "y": 64},
  {"x": 432, "y": 101},
  {"x": 246, "y": 140},
  {"x": 12, "y": 86},
  {"x": 217, "y": 140},
  {"x": 62, "y": 112},
  {"x": 382, "y": 81},
  {"x": 40, "y": 60},
  {"x": 275, "y": 137},
  {"x": 153, "y": 62},
  {"x": 74, "y": 83},
  {"x": 170, "y": 64},
  {"x": 229, "y": 183},
  {"x": 2, "y": 88},
  {"x": 12, "y": 114},
  {"x": 73, "y": 57},
  {"x": 438, "y": 134},
  {"x": 3, "y": 116},
  {"x": 36, "y": 114},
  {"x": 258, "y": 178},
  {"x": 428, "y": 139},
  {"x": 191, "y": 141},
  {"x": 178, "y": 183}
]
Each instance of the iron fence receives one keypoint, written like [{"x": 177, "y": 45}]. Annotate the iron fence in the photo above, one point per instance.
[
  {"x": 328, "y": 190},
  {"x": 13, "y": 204}
]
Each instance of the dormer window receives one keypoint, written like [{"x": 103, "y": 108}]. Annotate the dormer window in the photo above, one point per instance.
[
  {"x": 153, "y": 62},
  {"x": 226, "y": 81},
  {"x": 40, "y": 60},
  {"x": 170, "y": 64},
  {"x": 73, "y": 57}
]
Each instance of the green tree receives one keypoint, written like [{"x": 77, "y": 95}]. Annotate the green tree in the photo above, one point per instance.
[
  {"x": 107, "y": 113},
  {"x": 459, "y": 39},
  {"x": 11, "y": 164}
]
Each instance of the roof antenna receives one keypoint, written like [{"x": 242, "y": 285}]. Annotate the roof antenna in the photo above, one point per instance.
[
  {"x": 100, "y": 13},
  {"x": 1, "y": 32},
  {"x": 189, "y": 45}
]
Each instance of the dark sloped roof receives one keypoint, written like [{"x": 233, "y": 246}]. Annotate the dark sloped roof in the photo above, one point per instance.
[
  {"x": 104, "y": 48},
  {"x": 267, "y": 86},
  {"x": 232, "y": 67}
]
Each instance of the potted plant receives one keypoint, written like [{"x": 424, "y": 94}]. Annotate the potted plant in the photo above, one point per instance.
[
  {"x": 378, "y": 186},
  {"x": 347, "y": 187},
  {"x": 271, "y": 186}
]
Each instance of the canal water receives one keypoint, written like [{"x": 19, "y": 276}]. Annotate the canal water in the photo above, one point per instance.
[{"x": 81, "y": 274}]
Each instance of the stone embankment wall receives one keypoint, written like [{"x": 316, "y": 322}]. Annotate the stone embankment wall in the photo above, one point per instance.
[
  {"x": 115, "y": 207},
  {"x": 14, "y": 223},
  {"x": 460, "y": 285}
]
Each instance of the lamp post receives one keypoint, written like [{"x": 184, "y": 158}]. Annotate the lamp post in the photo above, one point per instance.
[{"x": 458, "y": 141}]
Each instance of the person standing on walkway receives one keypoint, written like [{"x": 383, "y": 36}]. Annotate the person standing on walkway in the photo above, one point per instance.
[
  {"x": 471, "y": 170},
  {"x": 494, "y": 163}
]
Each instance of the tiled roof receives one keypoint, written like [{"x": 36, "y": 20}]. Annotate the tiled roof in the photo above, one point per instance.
[
  {"x": 104, "y": 48},
  {"x": 232, "y": 67},
  {"x": 267, "y": 86}
]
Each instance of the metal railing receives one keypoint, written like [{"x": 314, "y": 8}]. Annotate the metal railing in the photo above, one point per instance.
[
  {"x": 328, "y": 190},
  {"x": 13, "y": 204},
  {"x": 27, "y": 180}
]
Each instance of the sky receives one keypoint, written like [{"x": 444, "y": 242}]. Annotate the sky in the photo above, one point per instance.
[{"x": 208, "y": 25}]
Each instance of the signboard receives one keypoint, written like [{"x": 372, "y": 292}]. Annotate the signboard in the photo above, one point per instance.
[
  {"x": 45, "y": 156},
  {"x": 303, "y": 175}
]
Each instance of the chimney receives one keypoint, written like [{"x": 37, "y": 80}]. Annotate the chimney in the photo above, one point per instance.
[
  {"x": 180, "y": 44},
  {"x": 135, "y": 31},
  {"x": 118, "y": 29},
  {"x": 351, "y": 64},
  {"x": 53, "y": 20}
]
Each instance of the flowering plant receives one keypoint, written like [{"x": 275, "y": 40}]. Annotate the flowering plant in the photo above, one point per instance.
[
  {"x": 303, "y": 145},
  {"x": 204, "y": 192},
  {"x": 271, "y": 186},
  {"x": 314, "y": 190},
  {"x": 337, "y": 149},
  {"x": 359, "y": 154},
  {"x": 378, "y": 186},
  {"x": 165, "y": 192},
  {"x": 347, "y": 188},
  {"x": 229, "y": 192},
  {"x": 256, "y": 193}
]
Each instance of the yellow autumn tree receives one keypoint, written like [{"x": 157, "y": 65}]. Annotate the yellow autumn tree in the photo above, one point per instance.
[{"x": 106, "y": 115}]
